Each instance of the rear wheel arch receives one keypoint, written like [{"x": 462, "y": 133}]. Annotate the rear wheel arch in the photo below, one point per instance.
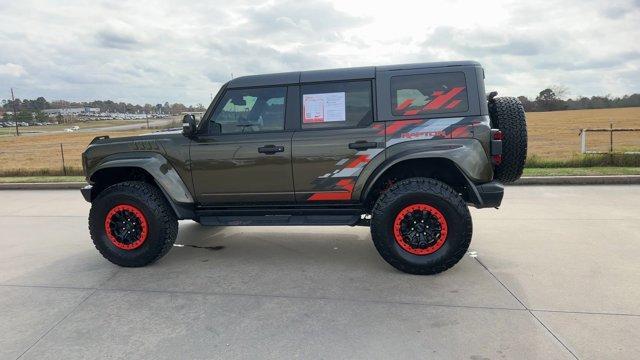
[{"x": 439, "y": 168}]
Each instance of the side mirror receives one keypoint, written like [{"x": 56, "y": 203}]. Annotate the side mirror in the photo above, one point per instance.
[{"x": 189, "y": 125}]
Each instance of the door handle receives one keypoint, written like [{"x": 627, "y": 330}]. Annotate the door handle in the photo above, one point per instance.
[
  {"x": 363, "y": 145},
  {"x": 270, "y": 149}
]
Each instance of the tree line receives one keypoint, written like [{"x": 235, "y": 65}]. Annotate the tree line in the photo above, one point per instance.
[
  {"x": 552, "y": 99},
  {"x": 39, "y": 104}
]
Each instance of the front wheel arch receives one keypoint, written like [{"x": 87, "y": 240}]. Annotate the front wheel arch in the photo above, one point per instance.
[{"x": 108, "y": 176}]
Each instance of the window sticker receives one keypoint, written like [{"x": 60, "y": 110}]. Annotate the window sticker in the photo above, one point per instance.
[{"x": 327, "y": 107}]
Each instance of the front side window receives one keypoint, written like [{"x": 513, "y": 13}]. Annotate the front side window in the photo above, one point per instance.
[
  {"x": 429, "y": 93},
  {"x": 336, "y": 105},
  {"x": 250, "y": 110}
]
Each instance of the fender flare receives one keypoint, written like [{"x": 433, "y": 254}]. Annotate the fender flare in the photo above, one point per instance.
[
  {"x": 163, "y": 173},
  {"x": 454, "y": 152}
]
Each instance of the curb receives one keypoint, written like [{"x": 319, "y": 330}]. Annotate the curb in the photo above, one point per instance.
[
  {"x": 579, "y": 180},
  {"x": 43, "y": 186}
]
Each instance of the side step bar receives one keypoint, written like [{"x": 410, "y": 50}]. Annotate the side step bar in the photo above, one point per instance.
[{"x": 266, "y": 220}]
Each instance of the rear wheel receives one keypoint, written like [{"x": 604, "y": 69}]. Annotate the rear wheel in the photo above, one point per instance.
[
  {"x": 507, "y": 114},
  {"x": 421, "y": 226},
  {"x": 132, "y": 224}
]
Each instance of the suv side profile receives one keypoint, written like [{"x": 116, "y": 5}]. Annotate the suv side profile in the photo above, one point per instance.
[{"x": 404, "y": 149}]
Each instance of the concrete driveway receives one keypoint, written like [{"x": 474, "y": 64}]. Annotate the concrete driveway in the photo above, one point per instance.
[{"x": 553, "y": 274}]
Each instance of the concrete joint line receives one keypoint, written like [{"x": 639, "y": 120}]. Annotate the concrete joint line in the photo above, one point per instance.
[{"x": 527, "y": 309}]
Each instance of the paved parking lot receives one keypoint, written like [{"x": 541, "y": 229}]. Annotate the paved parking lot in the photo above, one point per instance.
[{"x": 553, "y": 274}]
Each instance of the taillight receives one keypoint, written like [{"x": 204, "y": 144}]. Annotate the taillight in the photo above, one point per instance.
[{"x": 496, "y": 146}]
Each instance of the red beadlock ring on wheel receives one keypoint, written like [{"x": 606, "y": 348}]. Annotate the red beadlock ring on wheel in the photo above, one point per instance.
[
  {"x": 139, "y": 216},
  {"x": 425, "y": 208}
]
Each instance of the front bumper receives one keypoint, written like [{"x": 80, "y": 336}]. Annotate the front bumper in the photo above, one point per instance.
[{"x": 86, "y": 192}]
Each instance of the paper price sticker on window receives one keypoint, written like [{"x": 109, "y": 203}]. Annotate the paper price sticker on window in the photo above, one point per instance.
[{"x": 319, "y": 108}]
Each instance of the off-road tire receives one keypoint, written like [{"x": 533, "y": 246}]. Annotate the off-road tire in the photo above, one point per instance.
[
  {"x": 435, "y": 194},
  {"x": 507, "y": 114},
  {"x": 160, "y": 218}
]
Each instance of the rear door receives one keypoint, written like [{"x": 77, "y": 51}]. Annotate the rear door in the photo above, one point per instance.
[
  {"x": 335, "y": 139},
  {"x": 244, "y": 156}
]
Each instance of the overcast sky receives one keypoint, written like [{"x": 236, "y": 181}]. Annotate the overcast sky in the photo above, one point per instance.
[{"x": 182, "y": 51}]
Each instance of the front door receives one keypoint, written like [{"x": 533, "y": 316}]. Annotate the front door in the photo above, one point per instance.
[{"x": 244, "y": 156}]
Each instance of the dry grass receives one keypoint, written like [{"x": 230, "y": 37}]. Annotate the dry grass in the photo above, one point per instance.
[
  {"x": 39, "y": 152},
  {"x": 555, "y": 134},
  {"x": 552, "y": 135}
]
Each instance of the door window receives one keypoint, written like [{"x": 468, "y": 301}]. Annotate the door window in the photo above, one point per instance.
[
  {"x": 429, "y": 93},
  {"x": 249, "y": 111},
  {"x": 336, "y": 105}
]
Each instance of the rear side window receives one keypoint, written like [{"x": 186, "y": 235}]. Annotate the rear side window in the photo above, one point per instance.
[
  {"x": 429, "y": 94},
  {"x": 337, "y": 105}
]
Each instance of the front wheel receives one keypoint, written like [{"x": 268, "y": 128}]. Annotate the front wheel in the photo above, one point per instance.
[
  {"x": 132, "y": 224},
  {"x": 421, "y": 226}
]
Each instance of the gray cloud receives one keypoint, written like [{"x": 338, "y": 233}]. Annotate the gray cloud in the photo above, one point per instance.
[
  {"x": 184, "y": 50},
  {"x": 115, "y": 40}
]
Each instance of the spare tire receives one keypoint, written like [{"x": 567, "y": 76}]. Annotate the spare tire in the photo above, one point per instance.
[{"x": 507, "y": 115}]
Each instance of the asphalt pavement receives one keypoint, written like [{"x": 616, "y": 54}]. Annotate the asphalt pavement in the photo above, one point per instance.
[{"x": 553, "y": 274}]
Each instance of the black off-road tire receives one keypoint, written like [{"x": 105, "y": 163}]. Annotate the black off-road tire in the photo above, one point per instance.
[
  {"x": 431, "y": 193},
  {"x": 507, "y": 114},
  {"x": 161, "y": 223}
]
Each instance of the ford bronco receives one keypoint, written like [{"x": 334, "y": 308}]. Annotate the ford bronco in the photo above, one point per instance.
[{"x": 403, "y": 149}]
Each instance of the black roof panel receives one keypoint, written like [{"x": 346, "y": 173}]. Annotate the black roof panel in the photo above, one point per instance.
[
  {"x": 334, "y": 74},
  {"x": 368, "y": 72},
  {"x": 265, "y": 80}
]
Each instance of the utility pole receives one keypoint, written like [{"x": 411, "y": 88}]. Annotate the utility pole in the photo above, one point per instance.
[{"x": 15, "y": 114}]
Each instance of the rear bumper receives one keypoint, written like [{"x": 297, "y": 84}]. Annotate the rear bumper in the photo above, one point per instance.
[
  {"x": 86, "y": 192},
  {"x": 490, "y": 194}
]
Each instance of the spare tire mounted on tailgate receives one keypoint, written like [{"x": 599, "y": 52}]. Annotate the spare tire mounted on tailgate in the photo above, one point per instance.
[{"x": 507, "y": 114}]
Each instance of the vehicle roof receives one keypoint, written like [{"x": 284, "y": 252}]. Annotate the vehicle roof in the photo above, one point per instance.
[{"x": 367, "y": 72}]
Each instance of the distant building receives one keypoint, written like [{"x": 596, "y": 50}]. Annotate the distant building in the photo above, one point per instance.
[{"x": 72, "y": 111}]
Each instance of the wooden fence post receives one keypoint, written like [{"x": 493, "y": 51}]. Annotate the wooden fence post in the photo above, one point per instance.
[
  {"x": 64, "y": 168},
  {"x": 610, "y": 137}
]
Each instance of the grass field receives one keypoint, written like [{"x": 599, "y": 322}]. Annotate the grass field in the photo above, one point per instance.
[
  {"x": 555, "y": 135},
  {"x": 30, "y": 153},
  {"x": 553, "y": 138},
  {"x": 584, "y": 171}
]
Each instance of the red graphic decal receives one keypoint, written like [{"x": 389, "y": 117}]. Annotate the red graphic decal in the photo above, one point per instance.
[
  {"x": 359, "y": 160},
  {"x": 397, "y": 125},
  {"x": 411, "y": 112},
  {"x": 453, "y": 104},
  {"x": 442, "y": 99},
  {"x": 405, "y": 104},
  {"x": 437, "y": 93},
  {"x": 346, "y": 184},
  {"x": 462, "y": 131},
  {"x": 324, "y": 196},
  {"x": 422, "y": 134}
]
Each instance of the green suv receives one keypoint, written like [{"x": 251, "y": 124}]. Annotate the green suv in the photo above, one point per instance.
[{"x": 403, "y": 149}]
